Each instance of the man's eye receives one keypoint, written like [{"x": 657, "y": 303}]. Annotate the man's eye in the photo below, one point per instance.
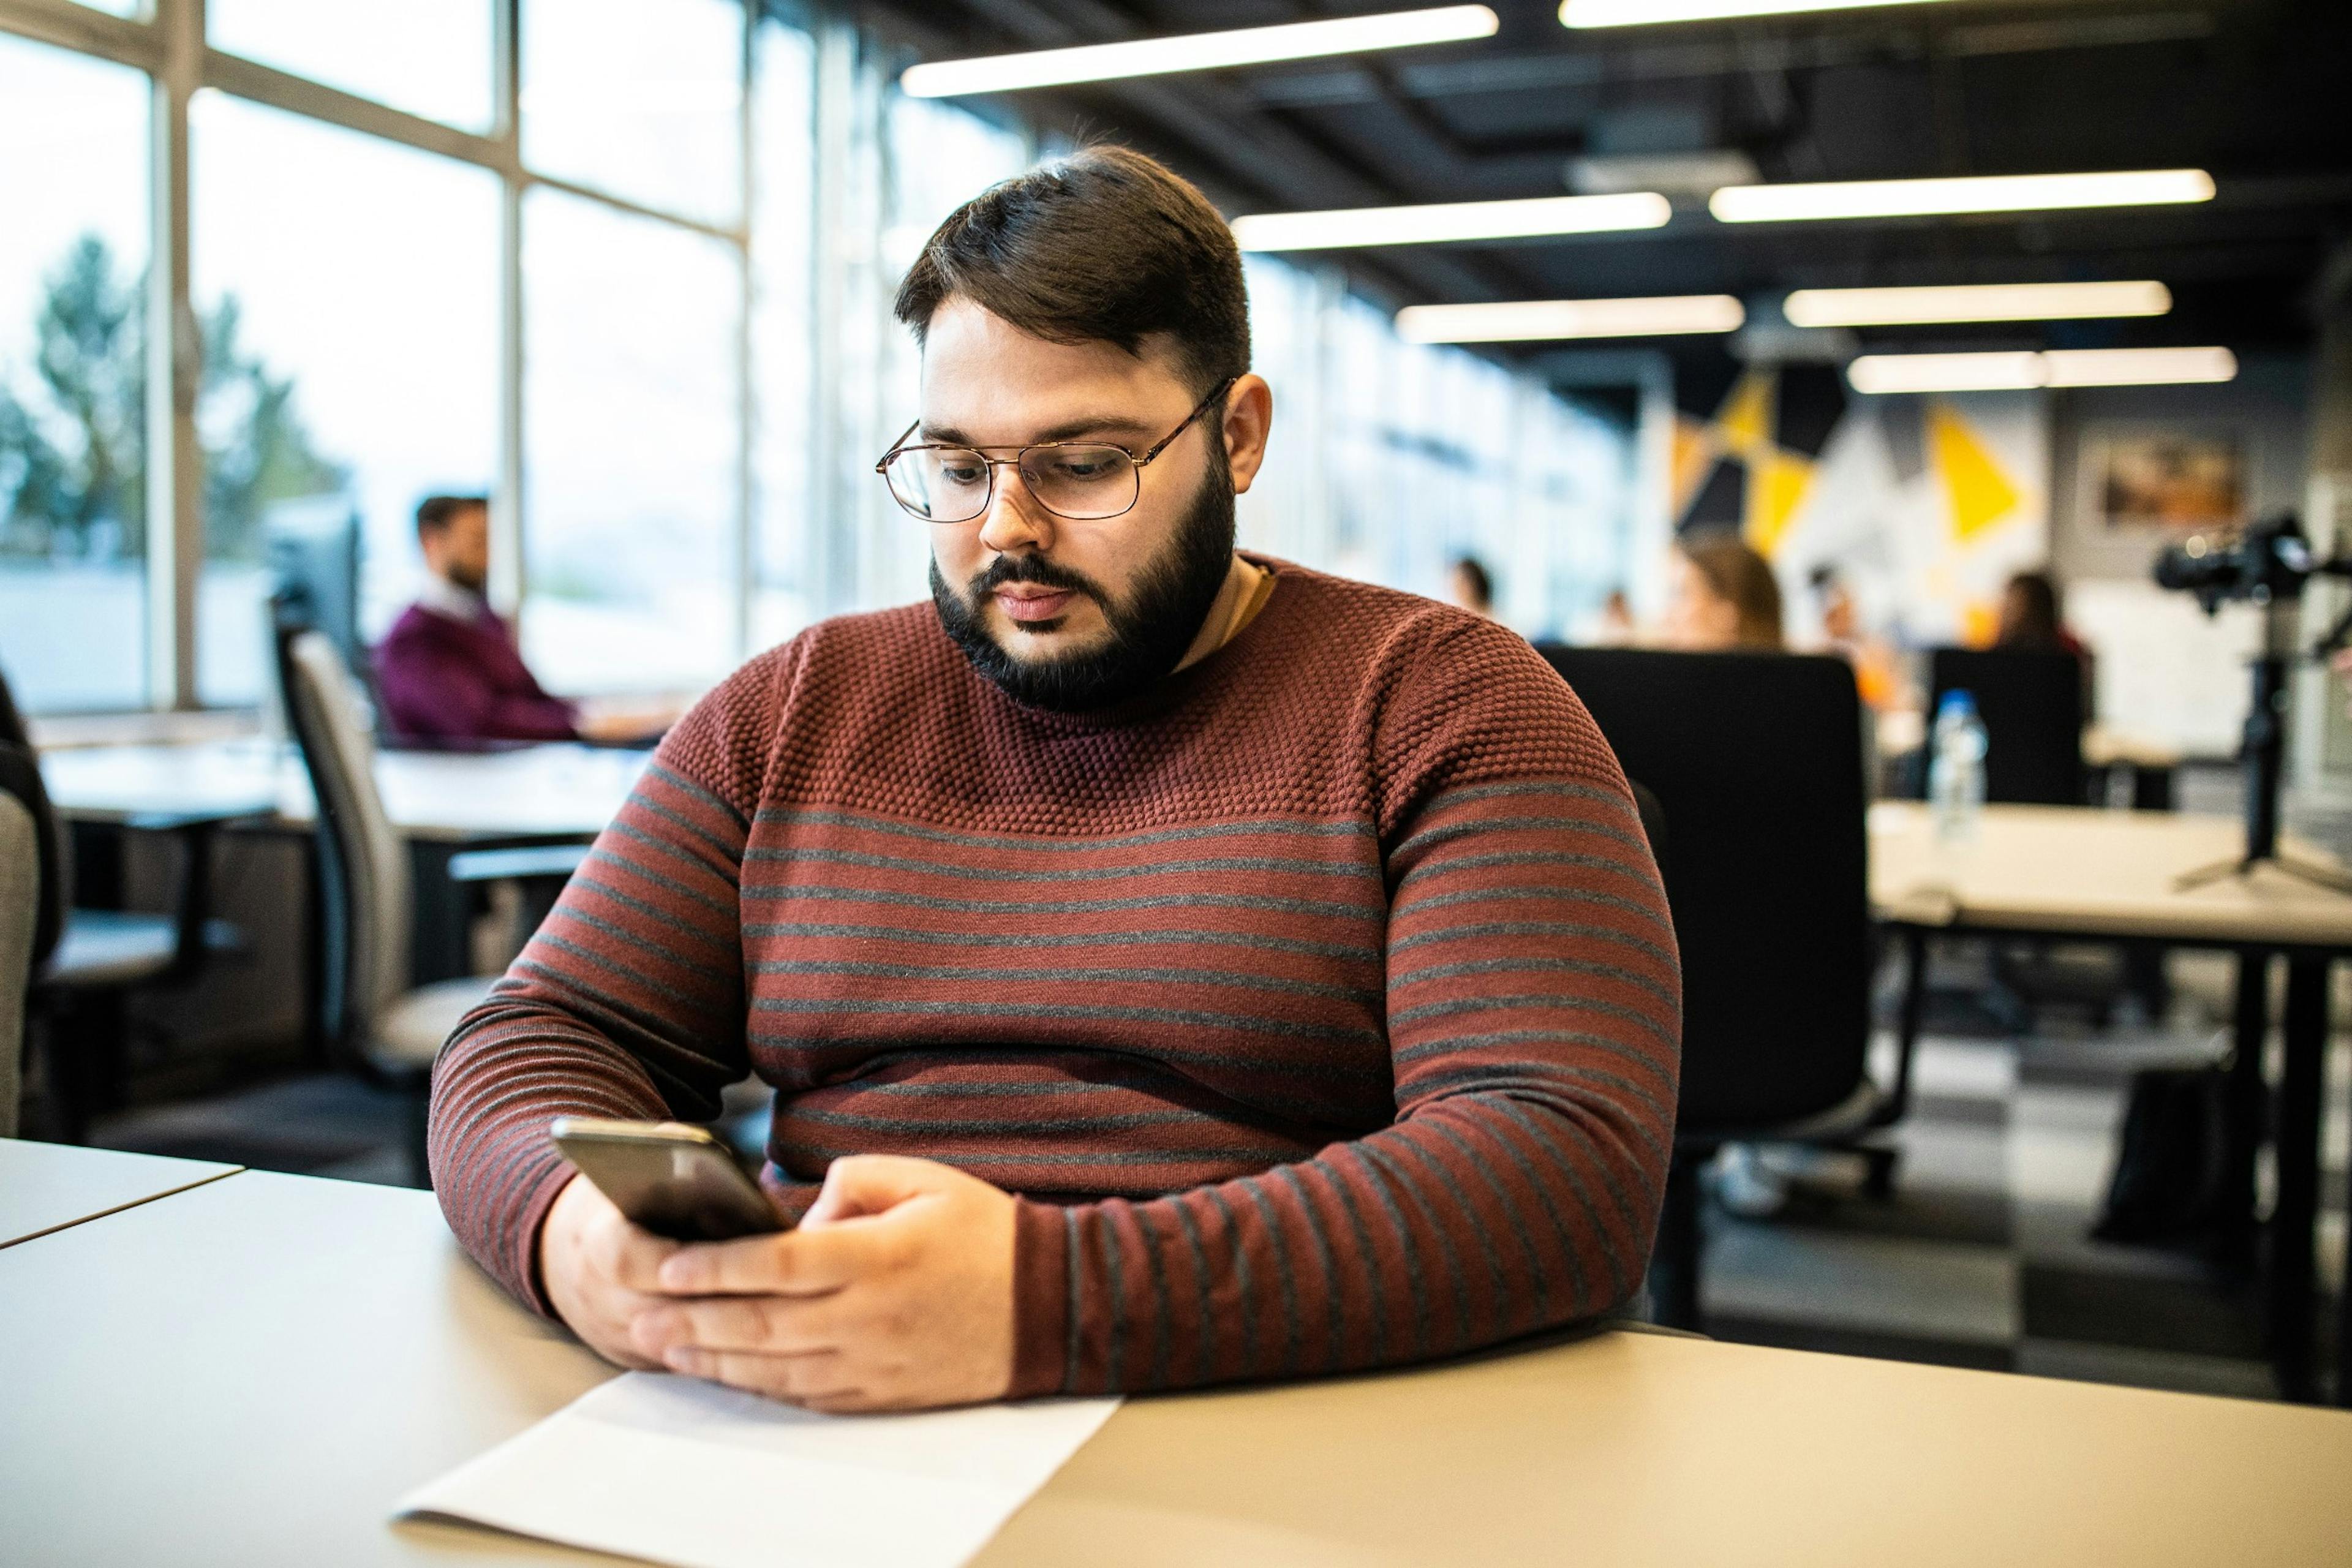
[
  {"x": 1081, "y": 468},
  {"x": 962, "y": 471}
]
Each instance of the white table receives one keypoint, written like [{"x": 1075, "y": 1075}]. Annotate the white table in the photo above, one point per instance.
[
  {"x": 317, "y": 1348},
  {"x": 2061, "y": 871},
  {"x": 47, "y": 1187},
  {"x": 554, "y": 791}
]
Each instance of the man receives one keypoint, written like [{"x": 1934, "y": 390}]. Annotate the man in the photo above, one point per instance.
[
  {"x": 1471, "y": 587},
  {"x": 1291, "y": 946},
  {"x": 449, "y": 670}
]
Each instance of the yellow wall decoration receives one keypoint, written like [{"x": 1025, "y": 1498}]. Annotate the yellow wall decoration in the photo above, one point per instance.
[
  {"x": 1778, "y": 481},
  {"x": 1977, "y": 491},
  {"x": 1744, "y": 423}
]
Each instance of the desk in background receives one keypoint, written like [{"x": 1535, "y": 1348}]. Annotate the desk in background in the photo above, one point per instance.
[
  {"x": 444, "y": 803},
  {"x": 324, "y": 1346},
  {"x": 2059, "y": 871}
]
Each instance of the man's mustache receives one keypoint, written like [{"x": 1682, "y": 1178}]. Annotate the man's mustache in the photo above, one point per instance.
[{"x": 1033, "y": 569}]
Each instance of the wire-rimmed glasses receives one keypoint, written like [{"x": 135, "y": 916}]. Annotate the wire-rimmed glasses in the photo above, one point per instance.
[{"x": 1082, "y": 480}]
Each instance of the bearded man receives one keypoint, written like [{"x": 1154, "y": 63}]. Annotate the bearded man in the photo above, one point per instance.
[{"x": 1173, "y": 965}]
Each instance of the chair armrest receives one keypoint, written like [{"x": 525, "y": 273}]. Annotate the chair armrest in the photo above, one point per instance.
[{"x": 531, "y": 863}]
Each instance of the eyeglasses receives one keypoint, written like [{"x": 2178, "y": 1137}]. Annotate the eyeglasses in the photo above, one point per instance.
[{"x": 1082, "y": 480}]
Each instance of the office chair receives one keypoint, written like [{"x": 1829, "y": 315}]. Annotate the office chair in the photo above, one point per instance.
[
  {"x": 20, "y": 912},
  {"x": 375, "y": 1022},
  {"x": 88, "y": 962},
  {"x": 1756, "y": 762},
  {"x": 2032, "y": 709}
]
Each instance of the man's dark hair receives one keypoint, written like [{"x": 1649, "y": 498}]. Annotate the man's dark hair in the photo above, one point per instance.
[
  {"x": 1482, "y": 583},
  {"x": 434, "y": 513},
  {"x": 1102, "y": 246}
]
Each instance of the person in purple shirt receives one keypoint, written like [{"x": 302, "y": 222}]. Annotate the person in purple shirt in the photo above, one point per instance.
[{"x": 449, "y": 673}]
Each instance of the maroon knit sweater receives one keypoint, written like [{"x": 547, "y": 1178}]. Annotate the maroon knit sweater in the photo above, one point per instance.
[{"x": 1323, "y": 1005}]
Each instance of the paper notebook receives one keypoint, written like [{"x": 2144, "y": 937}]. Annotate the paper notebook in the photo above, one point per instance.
[{"x": 680, "y": 1471}]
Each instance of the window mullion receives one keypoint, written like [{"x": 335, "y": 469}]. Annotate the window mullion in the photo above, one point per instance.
[{"x": 175, "y": 478}]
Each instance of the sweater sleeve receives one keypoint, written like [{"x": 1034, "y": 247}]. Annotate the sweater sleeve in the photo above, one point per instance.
[
  {"x": 1534, "y": 1024},
  {"x": 627, "y": 1003},
  {"x": 437, "y": 692}
]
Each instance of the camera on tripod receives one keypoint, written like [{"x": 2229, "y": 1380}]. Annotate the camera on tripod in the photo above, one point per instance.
[
  {"x": 2267, "y": 566},
  {"x": 2269, "y": 562}
]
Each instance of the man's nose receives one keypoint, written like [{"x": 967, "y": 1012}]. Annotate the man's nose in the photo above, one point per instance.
[{"x": 1014, "y": 521}]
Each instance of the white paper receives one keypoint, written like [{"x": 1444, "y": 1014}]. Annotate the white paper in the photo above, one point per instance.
[{"x": 677, "y": 1471}]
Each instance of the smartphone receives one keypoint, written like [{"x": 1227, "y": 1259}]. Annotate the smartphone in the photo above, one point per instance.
[{"x": 674, "y": 1180}]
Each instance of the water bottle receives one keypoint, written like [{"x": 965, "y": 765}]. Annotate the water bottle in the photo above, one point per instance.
[{"x": 1956, "y": 768}]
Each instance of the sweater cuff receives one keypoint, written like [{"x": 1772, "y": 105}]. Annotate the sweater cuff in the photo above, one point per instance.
[
  {"x": 524, "y": 1268},
  {"x": 1041, "y": 1299}
]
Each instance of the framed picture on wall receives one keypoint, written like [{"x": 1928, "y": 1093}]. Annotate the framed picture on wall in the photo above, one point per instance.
[{"x": 2178, "y": 481}]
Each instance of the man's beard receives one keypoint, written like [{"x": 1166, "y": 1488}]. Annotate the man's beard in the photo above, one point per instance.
[
  {"x": 466, "y": 577},
  {"x": 1149, "y": 632}
]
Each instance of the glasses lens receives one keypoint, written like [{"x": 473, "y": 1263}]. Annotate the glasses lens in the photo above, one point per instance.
[
  {"x": 1081, "y": 482},
  {"x": 938, "y": 484}
]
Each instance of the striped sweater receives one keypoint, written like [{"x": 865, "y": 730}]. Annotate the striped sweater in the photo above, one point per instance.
[{"x": 1322, "y": 1006}]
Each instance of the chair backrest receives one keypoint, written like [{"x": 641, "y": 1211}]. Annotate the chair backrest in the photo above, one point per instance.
[
  {"x": 1757, "y": 761},
  {"x": 20, "y": 896},
  {"x": 2031, "y": 705},
  {"x": 20, "y": 776},
  {"x": 364, "y": 867}
]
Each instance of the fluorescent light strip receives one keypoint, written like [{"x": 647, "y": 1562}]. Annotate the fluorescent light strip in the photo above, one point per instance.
[
  {"x": 1979, "y": 193},
  {"x": 1986, "y": 302},
  {"x": 2058, "y": 367},
  {"x": 1638, "y": 12},
  {"x": 1451, "y": 221},
  {"x": 1538, "y": 319},
  {"x": 1198, "y": 51}
]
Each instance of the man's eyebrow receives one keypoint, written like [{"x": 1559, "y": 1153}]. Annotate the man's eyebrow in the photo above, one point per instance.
[{"x": 1068, "y": 430}]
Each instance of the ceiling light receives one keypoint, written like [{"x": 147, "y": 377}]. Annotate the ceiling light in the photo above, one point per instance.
[
  {"x": 1532, "y": 318},
  {"x": 1990, "y": 303},
  {"x": 2060, "y": 367},
  {"x": 2138, "y": 367},
  {"x": 1198, "y": 51},
  {"x": 1636, "y": 13},
  {"x": 1978, "y": 193},
  {"x": 1451, "y": 221}
]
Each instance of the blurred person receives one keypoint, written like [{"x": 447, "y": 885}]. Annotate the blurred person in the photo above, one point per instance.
[
  {"x": 450, "y": 672},
  {"x": 1878, "y": 667},
  {"x": 1721, "y": 596},
  {"x": 1616, "y": 628},
  {"x": 1471, "y": 587},
  {"x": 992, "y": 888},
  {"x": 2033, "y": 620}
]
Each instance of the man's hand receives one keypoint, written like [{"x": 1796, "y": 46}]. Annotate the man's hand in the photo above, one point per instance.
[
  {"x": 601, "y": 1272},
  {"x": 896, "y": 1293}
]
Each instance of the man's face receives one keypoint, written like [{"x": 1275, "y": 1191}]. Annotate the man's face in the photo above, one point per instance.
[
  {"x": 460, "y": 550},
  {"x": 1065, "y": 613}
]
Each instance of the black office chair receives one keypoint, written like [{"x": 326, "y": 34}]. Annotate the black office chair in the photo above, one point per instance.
[
  {"x": 1755, "y": 759},
  {"x": 2032, "y": 709},
  {"x": 86, "y": 962}
]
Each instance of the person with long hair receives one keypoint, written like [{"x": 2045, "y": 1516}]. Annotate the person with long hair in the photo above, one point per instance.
[{"x": 1722, "y": 596}]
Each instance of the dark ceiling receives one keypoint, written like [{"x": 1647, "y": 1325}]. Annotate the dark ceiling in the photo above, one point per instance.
[{"x": 2257, "y": 91}]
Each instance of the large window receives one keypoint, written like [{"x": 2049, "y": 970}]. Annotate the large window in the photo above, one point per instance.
[
  {"x": 350, "y": 356},
  {"x": 783, "y": 214},
  {"x": 632, "y": 442},
  {"x": 642, "y": 99},
  {"x": 73, "y": 259},
  {"x": 429, "y": 57}
]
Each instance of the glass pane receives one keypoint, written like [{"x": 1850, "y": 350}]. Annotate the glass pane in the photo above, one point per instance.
[
  {"x": 642, "y": 99},
  {"x": 783, "y": 215},
  {"x": 429, "y": 57},
  {"x": 73, "y": 253},
  {"x": 350, "y": 357},
  {"x": 630, "y": 449}
]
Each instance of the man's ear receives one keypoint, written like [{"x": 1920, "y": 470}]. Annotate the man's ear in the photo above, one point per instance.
[{"x": 1249, "y": 420}]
